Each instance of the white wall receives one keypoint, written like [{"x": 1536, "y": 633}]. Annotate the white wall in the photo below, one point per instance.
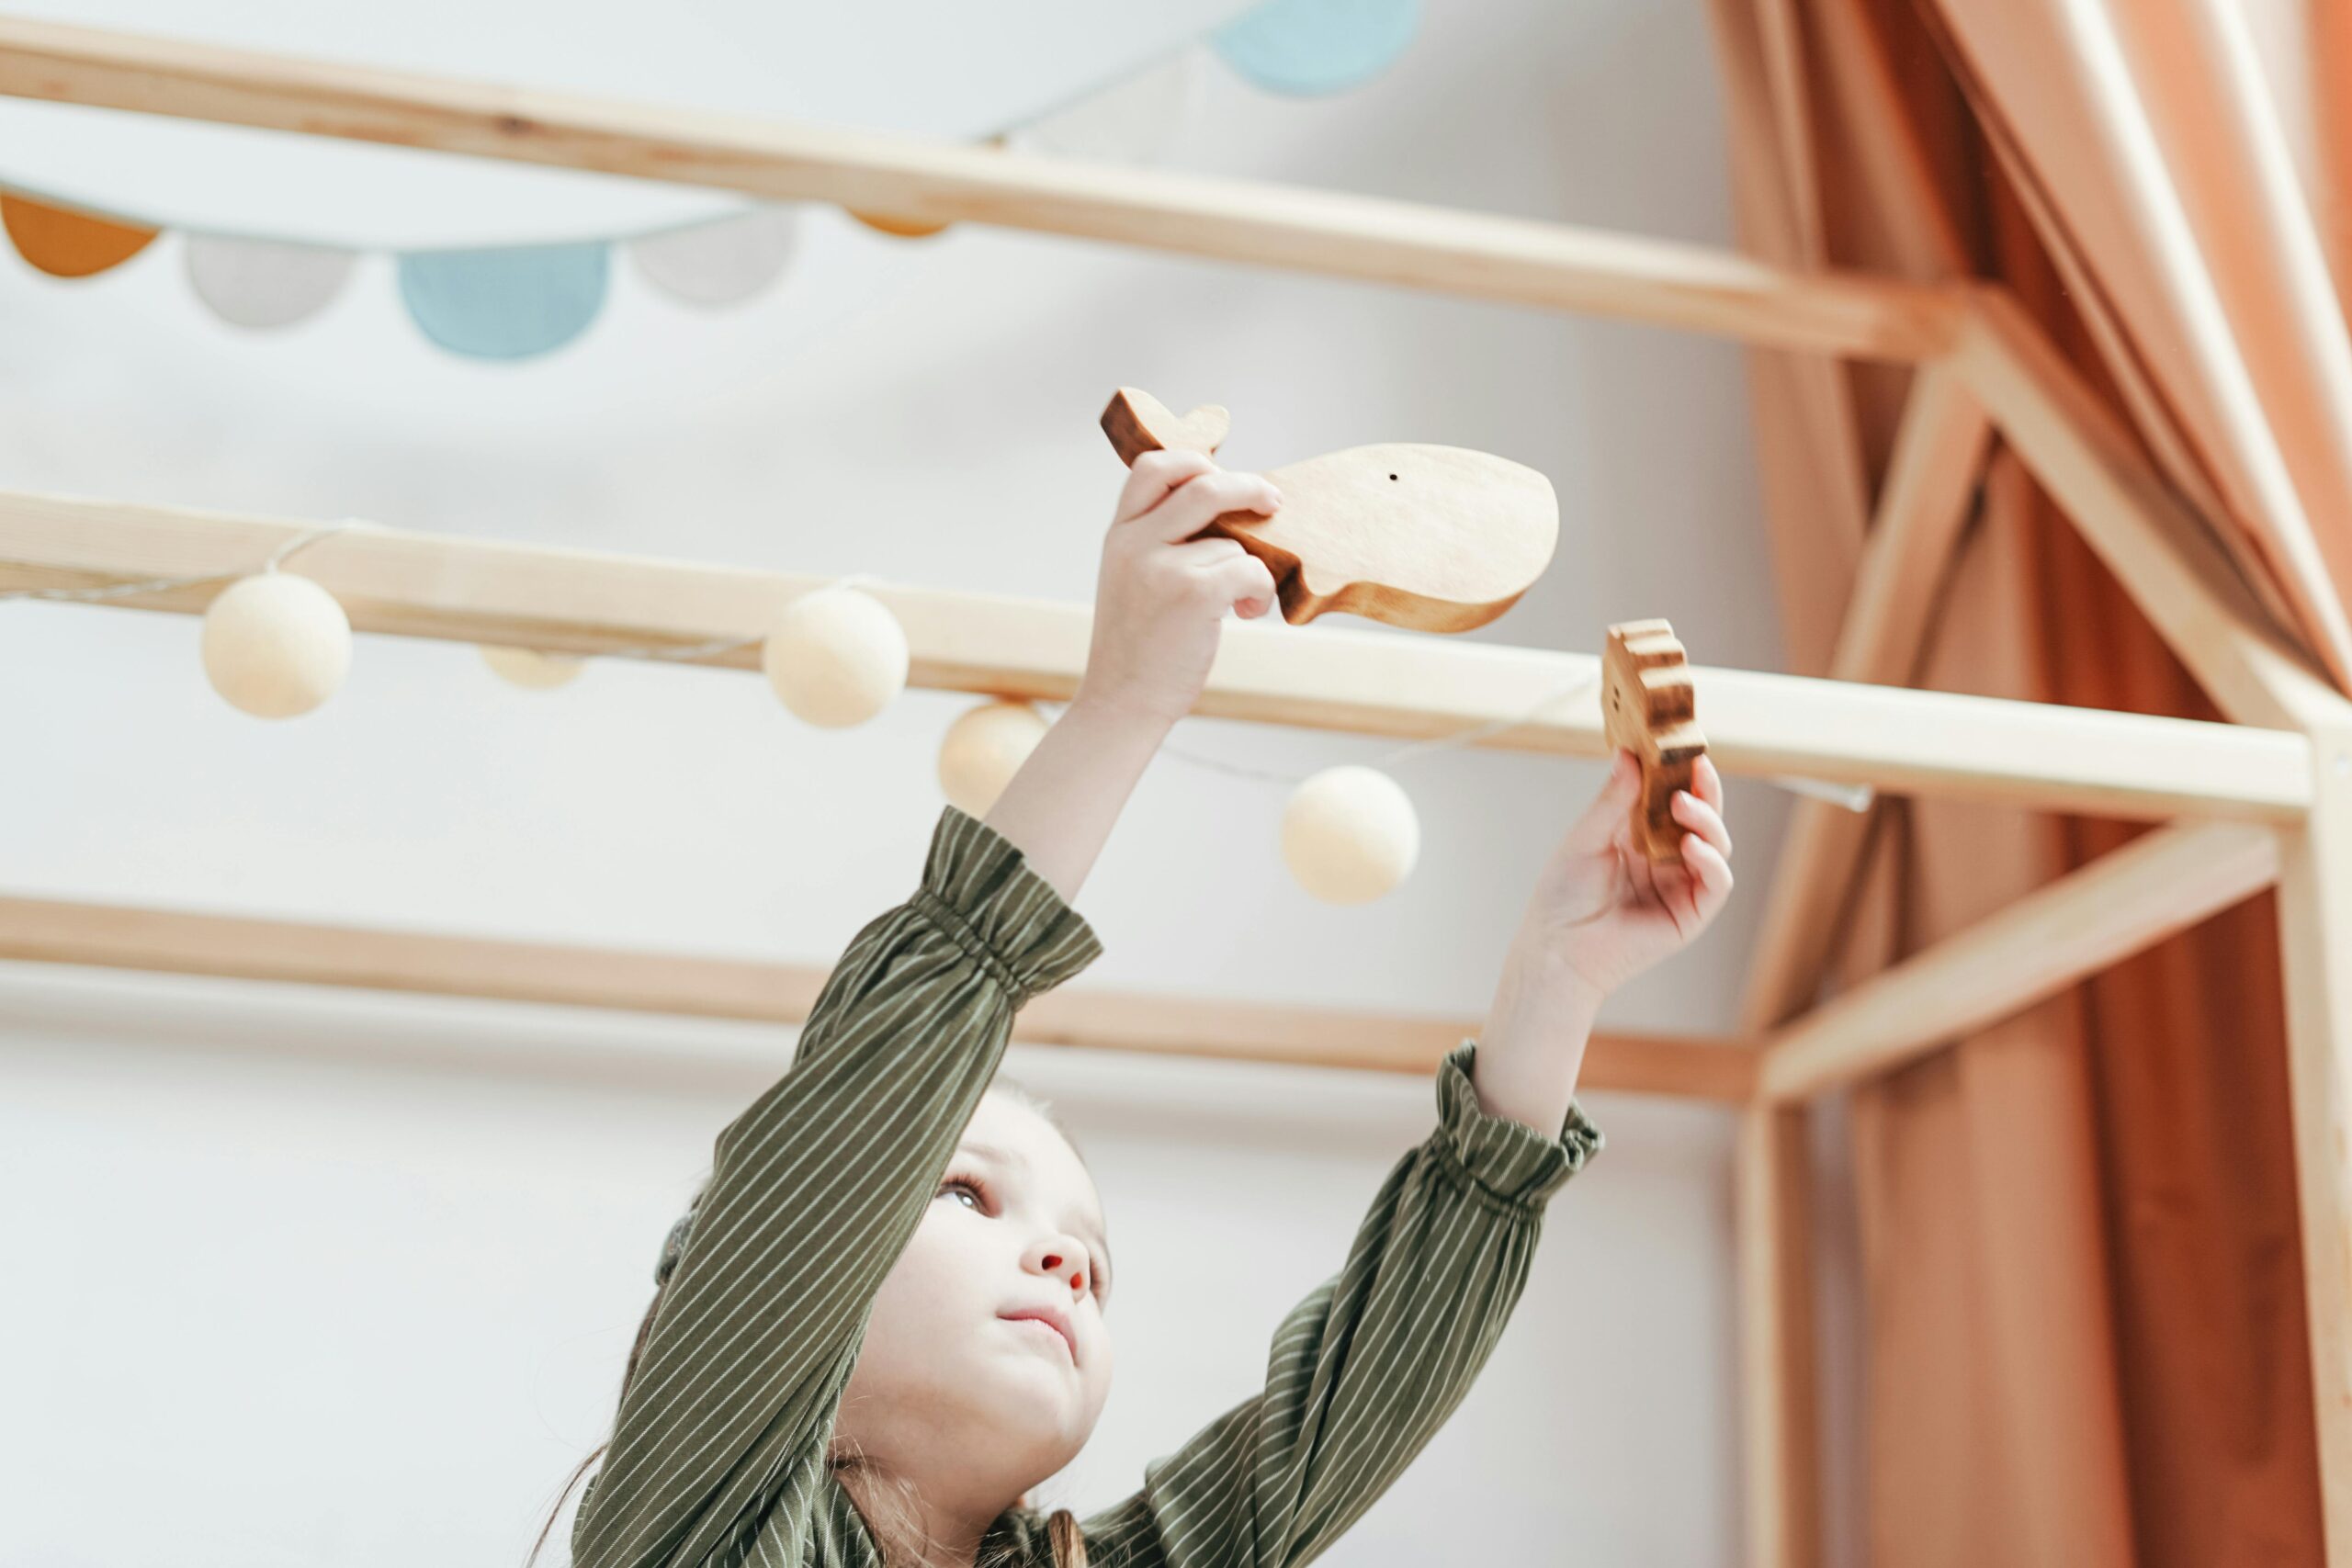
[{"x": 309, "y": 1279}]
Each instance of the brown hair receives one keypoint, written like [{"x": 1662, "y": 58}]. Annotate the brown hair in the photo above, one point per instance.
[{"x": 886, "y": 1502}]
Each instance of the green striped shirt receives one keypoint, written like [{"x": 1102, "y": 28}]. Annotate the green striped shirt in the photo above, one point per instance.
[{"x": 718, "y": 1452}]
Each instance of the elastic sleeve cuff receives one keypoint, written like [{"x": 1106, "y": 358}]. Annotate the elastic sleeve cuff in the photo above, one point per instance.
[
  {"x": 1507, "y": 1161},
  {"x": 980, "y": 889}
]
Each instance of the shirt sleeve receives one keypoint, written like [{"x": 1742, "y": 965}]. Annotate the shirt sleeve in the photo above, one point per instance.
[
  {"x": 1365, "y": 1370},
  {"x": 813, "y": 1194}
]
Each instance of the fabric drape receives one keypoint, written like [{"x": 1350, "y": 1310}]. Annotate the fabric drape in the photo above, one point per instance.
[{"x": 2083, "y": 1336}]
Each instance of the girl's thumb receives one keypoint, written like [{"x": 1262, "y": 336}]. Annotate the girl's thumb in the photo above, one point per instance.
[
  {"x": 1593, "y": 831},
  {"x": 1624, "y": 777}
]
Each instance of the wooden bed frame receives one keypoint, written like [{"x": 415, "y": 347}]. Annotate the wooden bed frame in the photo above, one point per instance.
[{"x": 2264, "y": 800}]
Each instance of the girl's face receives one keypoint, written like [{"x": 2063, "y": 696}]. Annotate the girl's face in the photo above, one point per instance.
[{"x": 986, "y": 1360}]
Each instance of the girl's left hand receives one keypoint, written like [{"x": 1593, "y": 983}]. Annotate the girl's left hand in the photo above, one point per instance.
[{"x": 1602, "y": 912}]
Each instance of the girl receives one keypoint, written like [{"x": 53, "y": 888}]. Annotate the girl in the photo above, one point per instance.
[{"x": 883, "y": 1320}]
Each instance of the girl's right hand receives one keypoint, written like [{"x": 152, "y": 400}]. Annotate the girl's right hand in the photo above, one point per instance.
[{"x": 1161, "y": 601}]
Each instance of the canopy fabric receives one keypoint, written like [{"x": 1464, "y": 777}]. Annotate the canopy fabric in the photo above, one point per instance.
[{"x": 2083, "y": 1324}]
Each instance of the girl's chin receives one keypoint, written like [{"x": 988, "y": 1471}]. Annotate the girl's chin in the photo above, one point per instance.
[{"x": 1044, "y": 1401}]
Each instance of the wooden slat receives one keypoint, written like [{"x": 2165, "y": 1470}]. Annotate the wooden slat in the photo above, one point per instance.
[
  {"x": 1930, "y": 483},
  {"x": 1779, "y": 1450},
  {"x": 2315, "y": 943},
  {"x": 2162, "y": 882},
  {"x": 1505, "y": 259},
  {"x": 2182, "y": 578},
  {"x": 183, "y": 943},
  {"x": 411, "y": 584}
]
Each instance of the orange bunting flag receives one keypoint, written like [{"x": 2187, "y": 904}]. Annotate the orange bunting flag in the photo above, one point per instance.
[
  {"x": 66, "y": 243},
  {"x": 904, "y": 228}
]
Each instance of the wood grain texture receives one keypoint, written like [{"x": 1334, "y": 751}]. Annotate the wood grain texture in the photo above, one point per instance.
[
  {"x": 2160, "y": 882},
  {"x": 1780, "y": 1448},
  {"x": 2080, "y": 452},
  {"x": 2315, "y": 951},
  {"x": 189, "y": 942},
  {"x": 1371, "y": 683},
  {"x": 916, "y": 184},
  {"x": 1430, "y": 539},
  {"x": 1926, "y": 498},
  {"x": 1650, "y": 706}
]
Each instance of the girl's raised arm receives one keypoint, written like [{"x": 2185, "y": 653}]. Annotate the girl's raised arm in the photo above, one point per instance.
[
  {"x": 816, "y": 1188},
  {"x": 1365, "y": 1370}
]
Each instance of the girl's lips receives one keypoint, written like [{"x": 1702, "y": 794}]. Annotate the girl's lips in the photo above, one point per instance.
[{"x": 1051, "y": 1317}]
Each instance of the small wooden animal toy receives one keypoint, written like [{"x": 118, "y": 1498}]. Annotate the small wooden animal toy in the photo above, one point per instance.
[
  {"x": 1648, "y": 707},
  {"x": 1436, "y": 538}
]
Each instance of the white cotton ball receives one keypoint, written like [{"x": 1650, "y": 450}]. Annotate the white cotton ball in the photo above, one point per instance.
[
  {"x": 530, "y": 669},
  {"x": 276, "y": 645},
  {"x": 983, "y": 750},
  {"x": 1349, "y": 835},
  {"x": 837, "y": 657}
]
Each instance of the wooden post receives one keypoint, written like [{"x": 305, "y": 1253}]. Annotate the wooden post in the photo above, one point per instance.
[
  {"x": 2315, "y": 942},
  {"x": 1780, "y": 1456},
  {"x": 1922, "y": 506}
]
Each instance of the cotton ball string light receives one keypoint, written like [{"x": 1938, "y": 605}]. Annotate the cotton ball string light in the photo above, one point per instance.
[
  {"x": 1349, "y": 835},
  {"x": 276, "y": 645},
  {"x": 983, "y": 750},
  {"x": 837, "y": 657},
  {"x": 530, "y": 669}
]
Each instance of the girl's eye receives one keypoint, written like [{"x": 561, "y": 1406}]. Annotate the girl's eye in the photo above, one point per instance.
[{"x": 967, "y": 1191}]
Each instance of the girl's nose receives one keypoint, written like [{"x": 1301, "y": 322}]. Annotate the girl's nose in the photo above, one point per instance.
[{"x": 1058, "y": 1256}]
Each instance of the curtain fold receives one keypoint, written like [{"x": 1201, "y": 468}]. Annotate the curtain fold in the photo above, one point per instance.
[{"x": 2084, "y": 1338}]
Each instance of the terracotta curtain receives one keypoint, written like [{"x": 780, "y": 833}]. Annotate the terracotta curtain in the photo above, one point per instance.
[{"x": 2083, "y": 1331}]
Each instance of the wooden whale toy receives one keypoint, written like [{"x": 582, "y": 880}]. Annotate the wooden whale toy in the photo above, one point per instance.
[{"x": 1437, "y": 538}]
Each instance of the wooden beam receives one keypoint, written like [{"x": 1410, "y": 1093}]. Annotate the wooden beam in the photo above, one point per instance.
[
  {"x": 2315, "y": 935},
  {"x": 2184, "y": 581},
  {"x": 2162, "y": 882},
  {"x": 1923, "y": 504},
  {"x": 1930, "y": 484},
  {"x": 1511, "y": 260},
  {"x": 182, "y": 943},
  {"x": 1779, "y": 1412},
  {"x": 2081, "y": 760}
]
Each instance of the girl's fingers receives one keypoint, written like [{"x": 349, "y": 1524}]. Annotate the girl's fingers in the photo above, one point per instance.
[
  {"x": 1713, "y": 873},
  {"x": 1704, "y": 820},
  {"x": 1706, "y": 783},
  {"x": 1206, "y": 555},
  {"x": 1193, "y": 504},
  {"x": 1152, "y": 475},
  {"x": 1241, "y": 582}
]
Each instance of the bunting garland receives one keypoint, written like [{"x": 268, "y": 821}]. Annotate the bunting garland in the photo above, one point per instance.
[
  {"x": 516, "y": 302},
  {"x": 718, "y": 264},
  {"x": 262, "y": 285},
  {"x": 65, "y": 243},
  {"x": 1310, "y": 47}
]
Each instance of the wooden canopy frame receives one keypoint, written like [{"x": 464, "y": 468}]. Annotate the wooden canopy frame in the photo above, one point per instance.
[{"x": 2262, "y": 801}]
